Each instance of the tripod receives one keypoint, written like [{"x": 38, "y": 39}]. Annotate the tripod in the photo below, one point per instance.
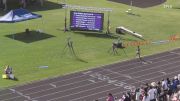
[
  {"x": 69, "y": 45},
  {"x": 117, "y": 44}
]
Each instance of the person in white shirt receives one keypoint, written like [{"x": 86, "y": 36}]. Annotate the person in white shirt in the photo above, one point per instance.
[
  {"x": 152, "y": 93},
  {"x": 146, "y": 97},
  {"x": 164, "y": 84}
]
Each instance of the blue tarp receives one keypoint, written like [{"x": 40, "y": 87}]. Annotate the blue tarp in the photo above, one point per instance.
[{"x": 18, "y": 15}]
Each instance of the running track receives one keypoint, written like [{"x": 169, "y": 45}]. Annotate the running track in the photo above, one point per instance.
[{"x": 96, "y": 83}]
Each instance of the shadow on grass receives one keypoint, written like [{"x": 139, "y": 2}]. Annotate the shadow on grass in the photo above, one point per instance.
[
  {"x": 133, "y": 14},
  {"x": 80, "y": 60},
  {"x": 97, "y": 34},
  {"x": 30, "y": 37},
  {"x": 15, "y": 79},
  {"x": 176, "y": 8}
]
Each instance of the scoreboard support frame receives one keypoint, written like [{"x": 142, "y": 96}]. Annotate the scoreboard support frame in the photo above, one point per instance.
[{"x": 75, "y": 7}]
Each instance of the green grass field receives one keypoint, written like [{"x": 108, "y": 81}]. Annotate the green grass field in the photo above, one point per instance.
[{"x": 154, "y": 23}]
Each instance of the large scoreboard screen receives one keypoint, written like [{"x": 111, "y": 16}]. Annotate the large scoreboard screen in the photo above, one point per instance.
[{"x": 86, "y": 21}]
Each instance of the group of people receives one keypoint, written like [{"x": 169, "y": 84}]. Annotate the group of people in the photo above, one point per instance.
[
  {"x": 8, "y": 72},
  {"x": 22, "y": 3},
  {"x": 165, "y": 90}
]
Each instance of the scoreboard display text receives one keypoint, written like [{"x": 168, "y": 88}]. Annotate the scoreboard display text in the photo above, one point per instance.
[{"x": 86, "y": 21}]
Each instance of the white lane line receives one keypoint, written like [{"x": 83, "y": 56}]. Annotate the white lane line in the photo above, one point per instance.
[
  {"x": 74, "y": 77},
  {"x": 175, "y": 53},
  {"x": 21, "y": 94},
  {"x": 51, "y": 82},
  {"x": 137, "y": 82},
  {"x": 11, "y": 98},
  {"x": 83, "y": 75},
  {"x": 71, "y": 93},
  {"x": 149, "y": 64},
  {"x": 119, "y": 71},
  {"x": 6, "y": 94},
  {"x": 160, "y": 71},
  {"x": 91, "y": 80},
  {"x": 106, "y": 90},
  {"x": 65, "y": 90},
  {"x": 141, "y": 75},
  {"x": 57, "y": 87},
  {"x": 116, "y": 94},
  {"x": 53, "y": 85},
  {"x": 125, "y": 75},
  {"x": 164, "y": 73},
  {"x": 79, "y": 93},
  {"x": 155, "y": 67},
  {"x": 133, "y": 63},
  {"x": 128, "y": 76},
  {"x": 92, "y": 89},
  {"x": 87, "y": 72}
]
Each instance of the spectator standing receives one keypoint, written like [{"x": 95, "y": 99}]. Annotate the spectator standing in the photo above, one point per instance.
[
  {"x": 174, "y": 84},
  {"x": 110, "y": 97},
  {"x": 152, "y": 93},
  {"x": 146, "y": 97},
  {"x": 137, "y": 95}
]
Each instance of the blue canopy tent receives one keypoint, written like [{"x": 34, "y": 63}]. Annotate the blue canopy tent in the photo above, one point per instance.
[{"x": 18, "y": 15}]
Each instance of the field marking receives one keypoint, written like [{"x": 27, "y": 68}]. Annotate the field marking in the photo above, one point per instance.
[
  {"x": 149, "y": 64},
  {"x": 119, "y": 76},
  {"x": 125, "y": 75},
  {"x": 6, "y": 94},
  {"x": 93, "y": 81},
  {"x": 139, "y": 76},
  {"x": 177, "y": 53},
  {"x": 164, "y": 73},
  {"x": 80, "y": 76},
  {"x": 126, "y": 65},
  {"x": 115, "y": 94},
  {"x": 71, "y": 93},
  {"x": 107, "y": 90},
  {"x": 156, "y": 67},
  {"x": 56, "y": 88},
  {"x": 21, "y": 94},
  {"x": 99, "y": 71},
  {"x": 53, "y": 85},
  {"x": 51, "y": 82},
  {"x": 151, "y": 56},
  {"x": 107, "y": 85},
  {"x": 11, "y": 98},
  {"x": 160, "y": 71}
]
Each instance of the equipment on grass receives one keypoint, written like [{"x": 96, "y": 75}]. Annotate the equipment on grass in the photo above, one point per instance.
[
  {"x": 69, "y": 45},
  {"x": 123, "y": 30},
  {"x": 4, "y": 76}
]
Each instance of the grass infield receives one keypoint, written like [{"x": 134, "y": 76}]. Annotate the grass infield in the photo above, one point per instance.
[{"x": 27, "y": 53}]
